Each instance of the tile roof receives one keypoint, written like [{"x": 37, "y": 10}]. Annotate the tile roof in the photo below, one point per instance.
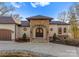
[
  {"x": 9, "y": 20},
  {"x": 58, "y": 23},
  {"x": 25, "y": 24},
  {"x": 6, "y": 20},
  {"x": 39, "y": 17}
]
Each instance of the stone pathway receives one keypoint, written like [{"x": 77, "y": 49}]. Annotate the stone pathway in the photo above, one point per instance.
[
  {"x": 44, "y": 48},
  {"x": 39, "y": 40}
]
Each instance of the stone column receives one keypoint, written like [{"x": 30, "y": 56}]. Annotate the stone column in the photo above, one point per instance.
[
  {"x": 47, "y": 35},
  {"x": 31, "y": 34}
]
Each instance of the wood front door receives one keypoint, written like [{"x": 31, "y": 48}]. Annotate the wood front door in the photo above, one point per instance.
[
  {"x": 39, "y": 32},
  {"x": 5, "y": 34}
]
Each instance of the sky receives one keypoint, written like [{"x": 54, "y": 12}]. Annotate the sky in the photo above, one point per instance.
[{"x": 51, "y": 9}]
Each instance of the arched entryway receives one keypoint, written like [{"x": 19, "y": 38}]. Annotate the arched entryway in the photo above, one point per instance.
[{"x": 39, "y": 32}]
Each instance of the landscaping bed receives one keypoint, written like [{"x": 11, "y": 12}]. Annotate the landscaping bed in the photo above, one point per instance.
[
  {"x": 67, "y": 42},
  {"x": 64, "y": 40},
  {"x": 21, "y": 53},
  {"x": 22, "y": 40}
]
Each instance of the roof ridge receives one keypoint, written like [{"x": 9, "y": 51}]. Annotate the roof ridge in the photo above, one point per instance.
[
  {"x": 58, "y": 22},
  {"x": 39, "y": 17},
  {"x": 5, "y": 16}
]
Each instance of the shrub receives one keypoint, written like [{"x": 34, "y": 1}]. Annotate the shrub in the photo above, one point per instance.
[
  {"x": 24, "y": 36},
  {"x": 54, "y": 37}
]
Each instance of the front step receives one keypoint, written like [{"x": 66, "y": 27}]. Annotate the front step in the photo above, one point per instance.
[{"x": 39, "y": 40}]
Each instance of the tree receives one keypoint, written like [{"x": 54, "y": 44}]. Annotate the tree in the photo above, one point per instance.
[
  {"x": 16, "y": 16},
  {"x": 54, "y": 37},
  {"x": 24, "y": 36},
  {"x": 76, "y": 9},
  {"x": 65, "y": 15},
  {"x": 62, "y": 16},
  {"x": 4, "y": 9},
  {"x": 72, "y": 15},
  {"x": 73, "y": 21},
  {"x": 74, "y": 26}
]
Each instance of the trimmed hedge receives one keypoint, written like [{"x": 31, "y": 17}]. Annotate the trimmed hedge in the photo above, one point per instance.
[{"x": 22, "y": 40}]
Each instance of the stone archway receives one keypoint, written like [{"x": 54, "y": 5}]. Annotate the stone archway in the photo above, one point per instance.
[
  {"x": 42, "y": 35},
  {"x": 33, "y": 31}
]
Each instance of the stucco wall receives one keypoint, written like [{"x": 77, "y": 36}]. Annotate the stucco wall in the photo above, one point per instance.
[
  {"x": 64, "y": 26},
  {"x": 38, "y": 22},
  {"x": 55, "y": 29},
  {"x": 21, "y": 32},
  {"x": 10, "y": 27},
  {"x": 17, "y": 31}
]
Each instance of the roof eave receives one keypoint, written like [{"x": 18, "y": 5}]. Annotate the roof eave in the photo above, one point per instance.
[{"x": 39, "y": 19}]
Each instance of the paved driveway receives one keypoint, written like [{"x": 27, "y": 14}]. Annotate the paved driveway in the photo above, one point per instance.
[{"x": 45, "y": 48}]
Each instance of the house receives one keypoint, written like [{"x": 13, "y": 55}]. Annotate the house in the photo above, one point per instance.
[{"x": 35, "y": 27}]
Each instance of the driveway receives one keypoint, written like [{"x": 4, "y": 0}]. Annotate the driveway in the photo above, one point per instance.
[{"x": 45, "y": 48}]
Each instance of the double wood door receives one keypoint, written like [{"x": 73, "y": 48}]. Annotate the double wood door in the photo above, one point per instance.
[{"x": 39, "y": 32}]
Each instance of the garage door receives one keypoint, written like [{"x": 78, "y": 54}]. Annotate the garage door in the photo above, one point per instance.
[{"x": 5, "y": 35}]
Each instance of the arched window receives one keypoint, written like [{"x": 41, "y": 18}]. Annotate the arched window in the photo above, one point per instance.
[
  {"x": 59, "y": 30},
  {"x": 51, "y": 29},
  {"x": 65, "y": 30}
]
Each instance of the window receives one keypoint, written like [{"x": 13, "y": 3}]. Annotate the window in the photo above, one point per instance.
[
  {"x": 65, "y": 30},
  {"x": 51, "y": 29},
  {"x": 60, "y": 30}
]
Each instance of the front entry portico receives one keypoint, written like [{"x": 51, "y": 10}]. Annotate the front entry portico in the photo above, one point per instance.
[{"x": 39, "y": 27}]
